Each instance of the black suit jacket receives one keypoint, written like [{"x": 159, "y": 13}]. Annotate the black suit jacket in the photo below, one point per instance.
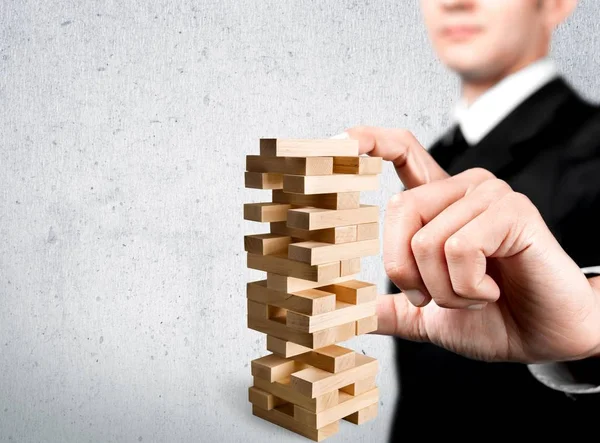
[{"x": 548, "y": 149}]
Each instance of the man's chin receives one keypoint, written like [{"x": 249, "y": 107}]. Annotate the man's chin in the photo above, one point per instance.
[{"x": 472, "y": 71}]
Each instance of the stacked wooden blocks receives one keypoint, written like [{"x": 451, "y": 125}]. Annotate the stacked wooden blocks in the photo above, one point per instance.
[{"x": 312, "y": 299}]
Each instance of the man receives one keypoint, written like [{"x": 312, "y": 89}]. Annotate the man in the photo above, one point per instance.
[{"x": 495, "y": 243}]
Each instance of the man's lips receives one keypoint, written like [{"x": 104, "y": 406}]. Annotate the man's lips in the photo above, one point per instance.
[{"x": 460, "y": 32}]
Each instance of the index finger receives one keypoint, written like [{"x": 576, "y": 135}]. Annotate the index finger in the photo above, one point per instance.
[{"x": 413, "y": 164}]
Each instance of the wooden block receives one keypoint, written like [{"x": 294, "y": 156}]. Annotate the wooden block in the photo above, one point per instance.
[
  {"x": 349, "y": 267},
  {"x": 357, "y": 165},
  {"x": 360, "y": 386},
  {"x": 366, "y": 325},
  {"x": 290, "y": 165},
  {"x": 308, "y": 301},
  {"x": 285, "y": 348},
  {"x": 272, "y": 367},
  {"x": 292, "y": 285},
  {"x": 263, "y": 399},
  {"x": 317, "y": 218},
  {"x": 338, "y": 200},
  {"x": 265, "y": 311},
  {"x": 316, "y": 253},
  {"x": 280, "y": 264},
  {"x": 353, "y": 291},
  {"x": 367, "y": 231},
  {"x": 263, "y": 180},
  {"x": 266, "y": 212},
  {"x": 348, "y": 404},
  {"x": 265, "y": 244},
  {"x": 283, "y": 389},
  {"x": 284, "y": 416},
  {"x": 314, "y": 382},
  {"x": 327, "y": 184},
  {"x": 363, "y": 415},
  {"x": 313, "y": 340},
  {"x": 277, "y": 147},
  {"x": 332, "y": 358},
  {"x": 344, "y": 313},
  {"x": 337, "y": 235}
]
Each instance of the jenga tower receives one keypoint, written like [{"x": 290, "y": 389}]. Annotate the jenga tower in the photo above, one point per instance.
[{"x": 311, "y": 299}]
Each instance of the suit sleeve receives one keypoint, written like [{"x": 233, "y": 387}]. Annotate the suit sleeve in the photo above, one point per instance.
[{"x": 579, "y": 193}]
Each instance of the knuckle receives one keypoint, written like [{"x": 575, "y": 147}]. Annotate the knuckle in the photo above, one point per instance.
[
  {"x": 520, "y": 199},
  {"x": 398, "y": 200},
  {"x": 481, "y": 173},
  {"x": 422, "y": 243},
  {"x": 397, "y": 272},
  {"x": 496, "y": 185},
  {"x": 455, "y": 247}
]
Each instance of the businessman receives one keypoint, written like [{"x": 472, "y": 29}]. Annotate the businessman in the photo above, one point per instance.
[{"x": 493, "y": 249}]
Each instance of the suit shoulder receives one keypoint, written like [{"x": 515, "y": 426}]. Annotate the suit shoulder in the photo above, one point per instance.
[{"x": 584, "y": 143}]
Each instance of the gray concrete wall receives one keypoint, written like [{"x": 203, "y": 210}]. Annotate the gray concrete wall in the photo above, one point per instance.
[{"x": 124, "y": 127}]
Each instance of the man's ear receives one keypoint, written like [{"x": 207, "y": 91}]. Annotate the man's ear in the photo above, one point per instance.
[{"x": 558, "y": 11}]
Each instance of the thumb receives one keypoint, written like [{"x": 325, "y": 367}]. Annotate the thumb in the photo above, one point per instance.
[
  {"x": 396, "y": 316},
  {"x": 413, "y": 163}
]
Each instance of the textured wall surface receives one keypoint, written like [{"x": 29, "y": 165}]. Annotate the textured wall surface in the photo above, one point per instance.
[{"x": 124, "y": 127}]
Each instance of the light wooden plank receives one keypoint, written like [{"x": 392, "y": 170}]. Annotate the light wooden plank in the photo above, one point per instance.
[
  {"x": 366, "y": 325},
  {"x": 284, "y": 283},
  {"x": 364, "y": 415},
  {"x": 283, "y": 389},
  {"x": 317, "y": 218},
  {"x": 337, "y": 200},
  {"x": 347, "y": 405},
  {"x": 263, "y": 399},
  {"x": 285, "y": 348},
  {"x": 349, "y": 267},
  {"x": 272, "y": 367},
  {"x": 293, "y": 147},
  {"x": 315, "y": 253},
  {"x": 290, "y": 165},
  {"x": 337, "y": 235},
  {"x": 314, "y": 382},
  {"x": 332, "y": 358},
  {"x": 313, "y": 340},
  {"x": 266, "y": 212},
  {"x": 353, "y": 291},
  {"x": 367, "y": 231},
  {"x": 280, "y": 264},
  {"x": 263, "y": 180},
  {"x": 357, "y": 165},
  {"x": 284, "y": 416},
  {"x": 344, "y": 313},
  {"x": 308, "y": 301},
  {"x": 265, "y": 244},
  {"x": 325, "y": 184},
  {"x": 360, "y": 386}
]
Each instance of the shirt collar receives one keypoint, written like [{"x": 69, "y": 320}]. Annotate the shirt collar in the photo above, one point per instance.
[{"x": 478, "y": 119}]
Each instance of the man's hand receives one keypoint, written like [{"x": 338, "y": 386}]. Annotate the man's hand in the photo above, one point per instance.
[
  {"x": 413, "y": 163},
  {"x": 481, "y": 273}
]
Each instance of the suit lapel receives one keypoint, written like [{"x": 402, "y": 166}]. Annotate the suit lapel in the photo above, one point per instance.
[{"x": 506, "y": 147}]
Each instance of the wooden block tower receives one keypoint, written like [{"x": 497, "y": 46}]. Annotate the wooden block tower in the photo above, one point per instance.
[{"x": 311, "y": 299}]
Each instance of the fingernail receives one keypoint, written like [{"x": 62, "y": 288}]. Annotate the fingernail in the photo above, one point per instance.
[
  {"x": 415, "y": 296},
  {"x": 343, "y": 135},
  {"x": 477, "y": 307}
]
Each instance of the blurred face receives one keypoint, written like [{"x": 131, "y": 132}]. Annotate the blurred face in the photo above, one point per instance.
[{"x": 482, "y": 39}]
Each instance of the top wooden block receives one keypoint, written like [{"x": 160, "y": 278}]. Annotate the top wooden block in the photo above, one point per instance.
[{"x": 277, "y": 147}]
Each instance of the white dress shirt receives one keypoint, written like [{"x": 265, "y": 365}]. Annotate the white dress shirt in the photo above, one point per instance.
[
  {"x": 489, "y": 109},
  {"x": 476, "y": 121}
]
